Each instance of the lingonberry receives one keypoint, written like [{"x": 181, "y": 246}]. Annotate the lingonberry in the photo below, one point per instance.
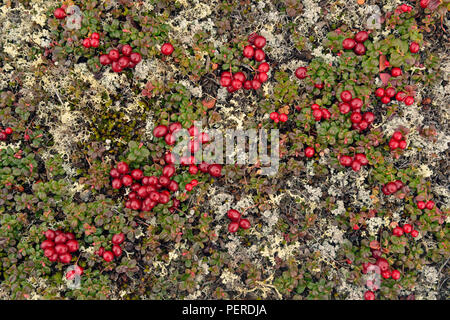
[
  {"x": 87, "y": 43},
  {"x": 118, "y": 238},
  {"x": 215, "y": 170},
  {"x": 244, "y": 224},
  {"x": 127, "y": 180},
  {"x": 114, "y": 54},
  {"x": 259, "y": 42},
  {"x": 398, "y": 232},
  {"x": 168, "y": 171},
  {"x": 239, "y": 76},
  {"x": 386, "y": 274},
  {"x": 167, "y": 49},
  {"x": 105, "y": 60},
  {"x": 233, "y": 227},
  {"x": 393, "y": 144},
  {"x": 356, "y": 117},
  {"x": 135, "y": 57},
  {"x": 160, "y": 131},
  {"x": 65, "y": 258},
  {"x": 385, "y": 100},
  {"x": 400, "y": 96},
  {"x": 346, "y": 161},
  {"x": 137, "y": 174},
  {"x": 361, "y": 36},
  {"x": 169, "y": 139},
  {"x": 390, "y": 92},
  {"x": 72, "y": 245},
  {"x": 256, "y": 84},
  {"x": 225, "y": 81},
  {"x": 236, "y": 84},
  {"x": 356, "y": 165},
  {"x": 95, "y": 35},
  {"x": 344, "y": 108},
  {"x": 397, "y": 135},
  {"x": 141, "y": 192},
  {"x": 369, "y": 117},
  {"x": 301, "y": 73},
  {"x": 414, "y": 47},
  {"x": 116, "y": 67},
  {"x": 369, "y": 295},
  {"x": 391, "y": 187},
  {"x": 95, "y": 43},
  {"x": 421, "y": 205},
  {"x": 59, "y": 13},
  {"x": 359, "y": 49},
  {"x": 173, "y": 186},
  {"x": 383, "y": 264},
  {"x": 262, "y": 77},
  {"x": 61, "y": 249},
  {"x": 124, "y": 62},
  {"x": 247, "y": 84},
  {"x": 47, "y": 244},
  {"x": 309, "y": 152},
  {"x": 249, "y": 51},
  {"x": 188, "y": 187},
  {"x": 274, "y": 116},
  {"x": 395, "y": 274},
  {"x": 126, "y": 50},
  {"x": 348, "y": 43},
  {"x": 429, "y": 205},
  {"x": 259, "y": 55},
  {"x": 108, "y": 256},
  {"x": 361, "y": 158},
  {"x": 346, "y": 96},
  {"x": 325, "y": 114},
  {"x": 407, "y": 228},
  {"x": 117, "y": 250},
  {"x": 380, "y": 92},
  {"x": 356, "y": 104},
  {"x": 396, "y": 72},
  {"x": 8, "y": 131},
  {"x": 409, "y": 100},
  {"x": 264, "y": 67},
  {"x": 399, "y": 184},
  {"x": 135, "y": 204},
  {"x": 317, "y": 114},
  {"x": 50, "y": 234},
  {"x": 363, "y": 125},
  {"x": 233, "y": 215},
  {"x": 414, "y": 233}
]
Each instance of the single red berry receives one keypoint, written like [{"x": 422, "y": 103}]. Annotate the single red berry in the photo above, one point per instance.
[
  {"x": 72, "y": 245},
  {"x": 264, "y": 67},
  {"x": 247, "y": 85},
  {"x": 283, "y": 117},
  {"x": 225, "y": 81},
  {"x": 215, "y": 170},
  {"x": 116, "y": 67},
  {"x": 87, "y": 43},
  {"x": 356, "y": 104},
  {"x": 344, "y": 108},
  {"x": 309, "y": 152},
  {"x": 249, "y": 51},
  {"x": 393, "y": 144},
  {"x": 49, "y": 252},
  {"x": 369, "y": 117},
  {"x": 127, "y": 180},
  {"x": 50, "y": 234},
  {"x": 59, "y": 13},
  {"x": 356, "y": 117},
  {"x": 356, "y": 165},
  {"x": 168, "y": 170},
  {"x": 108, "y": 256},
  {"x": 409, "y": 100},
  {"x": 361, "y": 36},
  {"x": 361, "y": 158},
  {"x": 383, "y": 264},
  {"x": 8, "y": 131},
  {"x": 414, "y": 47},
  {"x": 421, "y": 205},
  {"x": 233, "y": 215},
  {"x": 346, "y": 161},
  {"x": 135, "y": 57},
  {"x": 137, "y": 174},
  {"x": 274, "y": 115},
  {"x": 244, "y": 224},
  {"x": 346, "y": 96},
  {"x": 118, "y": 238},
  {"x": 95, "y": 43},
  {"x": 396, "y": 72},
  {"x": 256, "y": 84},
  {"x": 390, "y": 92},
  {"x": 65, "y": 258},
  {"x": 402, "y": 144},
  {"x": 233, "y": 227},
  {"x": 301, "y": 73},
  {"x": 380, "y": 92},
  {"x": 117, "y": 250},
  {"x": 395, "y": 274},
  {"x": 363, "y": 125},
  {"x": 385, "y": 100},
  {"x": 400, "y": 96},
  {"x": 429, "y": 205},
  {"x": 262, "y": 77},
  {"x": 167, "y": 49},
  {"x": 47, "y": 244},
  {"x": 317, "y": 114},
  {"x": 397, "y": 136},
  {"x": 359, "y": 49},
  {"x": 414, "y": 233},
  {"x": 126, "y": 50},
  {"x": 114, "y": 54},
  {"x": 188, "y": 187},
  {"x": 407, "y": 228},
  {"x": 259, "y": 55},
  {"x": 124, "y": 62},
  {"x": 105, "y": 60},
  {"x": 398, "y": 232},
  {"x": 391, "y": 187},
  {"x": 160, "y": 131},
  {"x": 259, "y": 42},
  {"x": 348, "y": 43},
  {"x": 369, "y": 295},
  {"x": 386, "y": 274}
]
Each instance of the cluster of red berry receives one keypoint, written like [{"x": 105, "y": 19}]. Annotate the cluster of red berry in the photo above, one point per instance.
[
  {"x": 197, "y": 137},
  {"x": 116, "y": 250},
  {"x": 397, "y": 141},
  {"x": 4, "y": 133},
  {"x": 77, "y": 270},
  {"x": 428, "y": 205},
  {"x": 357, "y": 43},
  {"x": 237, "y": 221},
  {"x": 388, "y": 93},
  {"x": 360, "y": 121},
  {"x": 234, "y": 82},
  {"x": 356, "y": 162},
  {"x": 384, "y": 268},
  {"x": 93, "y": 41},
  {"x": 276, "y": 117},
  {"x": 392, "y": 187},
  {"x": 59, "y": 245},
  {"x": 320, "y": 113},
  {"x": 407, "y": 228},
  {"x": 129, "y": 59}
]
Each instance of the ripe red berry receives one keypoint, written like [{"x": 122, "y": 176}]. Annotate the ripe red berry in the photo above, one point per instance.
[
  {"x": 127, "y": 180},
  {"x": 188, "y": 187},
  {"x": 47, "y": 244},
  {"x": 160, "y": 131},
  {"x": 95, "y": 35},
  {"x": 399, "y": 184},
  {"x": 50, "y": 234},
  {"x": 407, "y": 228},
  {"x": 356, "y": 165},
  {"x": 244, "y": 224},
  {"x": 264, "y": 67},
  {"x": 400, "y": 96},
  {"x": 126, "y": 50},
  {"x": 325, "y": 114},
  {"x": 116, "y": 67},
  {"x": 390, "y": 92},
  {"x": 262, "y": 77},
  {"x": 108, "y": 256},
  {"x": 167, "y": 49},
  {"x": 421, "y": 205},
  {"x": 346, "y": 161},
  {"x": 252, "y": 37},
  {"x": 117, "y": 250},
  {"x": 396, "y": 72},
  {"x": 118, "y": 238},
  {"x": 173, "y": 186},
  {"x": 361, "y": 36},
  {"x": 319, "y": 85},
  {"x": 87, "y": 43},
  {"x": 369, "y": 295},
  {"x": 363, "y": 125},
  {"x": 215, "y": 170},
  {"x": 356, "y": 117},
  {"x": 317, "y": 114},
  {"x": 361, "y": 158},
  {"x": 383, "y": 264},
  {"x": 137, "y": 174},
  {"x": 236, "y": 84},
  {"x": 256, "y": 84},
  {"x": 356, "y": 104},
  {"x": 385, "y": 100},
  {"x": 233, "y": 215},
  {"x": 359, "y": 49},
  {"x": 114, "y": 54},
  {"x": 301, "y": 73},
  {"x": 395, "y": 274},
  {"x": 346, "y": 96},
  {"x": 49, "y": 252},
  {"x": 414, "y": 233},
  {"x": 344, "y": 108},
  {"x": 105, "y": 60},
  {"x": 259, "y": 42},
  {"x": 409, "y": 100},
  {"x": 309, "y": 152},
  {"x": 386, "y": 274},
  {"x": 124, "y": 62},
  {"x": 249, "y": 51},
  {"x": 429, "y": 205},
  {"x": 391, "y": 187},
  {"x": 59, "y": 13},
  {"x": 135, "y": 57},
  {"x": 402, "y": 144},
  {"x": 225, "y": 81},
  {"x": 247, "y": 85},
  {"x": 424, "y": 3},
  {"x": 95, "y": 43},
  {"x": 414, "y": 47},
  {"x": 398, "y": 232},
  {"x": 233, "y": 227},
  {"x": 65, "y": 258},
  {"x": 259, "y": 55},
  {"x": 397, "y": 136},
  {"x": 380, "y": 92},
  {"x": 72, "y": 245},
  {"x": 348, "y": 43},
  {"x": 8, "y": 131},
  {"x": 274, "y": 116},
  {"x": 61, "y": 248},
  {"x": 369, "y": 117}
]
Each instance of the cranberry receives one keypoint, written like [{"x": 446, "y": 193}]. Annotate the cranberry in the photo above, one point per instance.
[
  {"x": 399, "y": 184},
  {"x": 393, "y": 144},
  {"x": 87, "y": 43},
  {"x": 173, "y": 186},
  {"x": 344, "y": 108},
  {"x": 396, "y": 72},
  {"x": 193, "y": 169},
  {"x": 356, "y": 165},
  {"x": 50, "y": 234},
  {"x": 60, "y": 238},
  {"x": 233, "y": 215},
  {"x": 397, "y": 136},
  {"x": 127, "y": 180},
  {"x": 135, "y": 204},
  {"x": 318, "y": 85},
  {"x": 414, "y": 47},
  {"x": 95, "y": 43},
  {"x": 168, "y": 170},
  {"x": 317, "y": 114},
  {"x": 376, "y": 253},
  {"x": 359, "y": 49},
  {"x": 72, "y": 245},
  {"x": 126, "y": 50},
  {"x": 348, "y": 43},
  {"x": 49, "y": 252},
  {"x": 309, "y": 152},
  {"x": 398, "y": 232},
  {"x": 247, "y": 85},
  {"x": 239, "y": 76},
  {"x": 363, "y": 125},
  {"x": 361, "y": 36},
  {"x": 301, "y": 73},
  {"x": 259, "y": 55},
  {"x": 391, "y": 187},
  {"x": 244, "y": 224},
  {"x": 160, "y": 131},
  {"x": 124, "y": 62},
  {"x": 346, "y": 96},
  {"x": 356, "y": 117},
  {"x": 262, "y": 77},
  {"x": 259, "y": 42},
  {"x": 385, "y": 100},
  {"x": 164, "y": 181},
  {"x": 8, "y": 131},
  {"x": 346, "y": 161},
  {"x": 141, "y": 192},
  {"x": 400, "y": 96},
  {"x": 414, "y": 233},
  {"x": 117, "y": 250},
  {"x": 421, "y": 205},
  {"x": 137, "y": 174},
  {"x": 188, "y": 187},
  {"x": 70, "y": 236},
  {"x": 225, "y": 81},
  {"x": 47, "y": 244},
  {"x": 369, "y": 295},
  {"x": 369, "y": 117},
  {"x": 108, "y": 256},
  {"x": 383, "y": 264},
  {"x": 429, "y": 205},
  {"x": 61, "y": 249},
  {"x": 249, "y": 51},
  {"x": 380, "y": 92},
  {"x": 386, "y": 274},
  {"x": 135, "y": 57},
  {"x": 135, "y": 187},
  {"x": 233, "y": 227},
  {"x": 361, "y": 158},
  {"x": 407, "y": 228},
  {"x": 252, "y": 37},
  {"x": 65, "y": 258},
  {"x": 215, "y": 170},
  {"x": 390, "y": 92},
  {"x": 356, "y": 103},
  {"x": 264, "y": 67},
  {"x": 204, "y": 167},
  {"x": 325, "y": 114},
  {"x": 167, "y": 49},
  {"x": 164, "y": 197},
  {"x": 395, "y": 274},
  {"x": 236, "y": 84},
  {"x": 114, "y": 54},
  {"x": 409, "y": 100},
  {"x": 59, "y": 13},
  {"x": 116, "y": 67}
]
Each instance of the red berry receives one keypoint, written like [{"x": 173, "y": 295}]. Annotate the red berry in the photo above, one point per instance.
[
  {"x": 160, "y": 131},
  {"x": 114, "y": 54},
  {"x": 356, "y": 104},
  {"x": 301, "y": 73},
  {"x": 137, "y": 174},
  {"x": 359, "y": 49},
  {"x": 363, "y": 125},
  {"x": 407, "y": 228},
  {"x": 236, "y": 84},
  {"x": 398, "y": 232},
  {"x": 429, "y": 205},
  {"x": 317, "y": 114},
  {"x": 385, "y": 100},
  {"x": 369, "y": 295},
  {"x": 8, "y": 131},
  {"x": 173, "y": 186},
  {"x": 399, "y": 184},
  {"x": 391, "y": 187},
  {"x": 259, "y": 42},
  {"x": 361, "y": 36},
  {"x": 249, "y": 51},
  {"x": 239, "y": 76},
  {"x": 318, "y": 85},
  {"x": 116, "y": 67},
  {"x": 60, "y": 238},
  {"x": 414, "y": 233},
  {"x": 225, "y": 81},
  {"x": 395, "y": 274},
  {"x": 117, "y": 250},
  {"x": 135, "y": 57},
  {"x": 59, "y": 13},
  {"x": 396, "y": 72},
  {"x": 346, "y": 161},
  {"x": 380, "y": 92},
  {"x": 361, "y": 158},
  {"x": 193, "y": 169},
  {"x": 95, "y": 43},
  {"x": 87, "y": 43},
  {"x": 215, "y": 170},
  {"x": 233, "y": 215},
  {"x": 95, "y": 35},
  {"x": 126, "y": 50},
  {"x": 386, "y": 274},
  {"x": 72, "y": 245},
  {"x": 393, "y": 144},
  {"x": 65, "y": 258},
  {"x": 369, "y": 117},
  {"x": 124, "y": 62},
  {"x": 47, "y": 244},
  {"x": 346, "y": 96},
  {"x": 247, "y": 85},
  {"x": 167, "y": 49},
  {"x": 348, "y": 43},
  {"x": 259, "y": 55},
  {"x": 397, "y": 136},
  {"x": 390, "y": 92},
  {"x": 127, "y": 180},
  {"x": 274, "y": 115},
  {"x": 402, "y": 144},
  {"x": 421, "y": 205},
  {"x": 414, "y": 47},
  {"x": 409, "y": 100},
  {"x": 244, "y": 224},
  {"x": 105, "y": 60},
  {"x": 356, "y": 165},
  {"x": 309, "y": 152},
  {"x": 50, "y": 234},
  {"x": 344, "y": 108},
  {"x": 383, "y": 264},
  {"x": 118, "y": 238},
  {"x": 61, "y": 248},
  {"x": 108, "y": 256},
  {"x": 188, "y": 187},
  {"x": 326, "y": 114},
  {"x": 233, "y": 227},
  {"x": 168, "y": 170},
  {"x": 356, "y": 117},
  {"x": 49, "y": 252},
  {"x": 264, "y": 67},
  {"x": 262, "y": 77},
  {"x": 400, "y": 96}
]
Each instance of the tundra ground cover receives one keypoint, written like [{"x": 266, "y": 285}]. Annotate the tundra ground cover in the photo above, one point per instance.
[{"x": 92, "y": 91}]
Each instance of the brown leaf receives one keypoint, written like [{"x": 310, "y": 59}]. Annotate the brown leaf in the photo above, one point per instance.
[
  {"x": 382, "y": 62},
  {"x": 385, "y": 78},
  {"x": 375, "y": 245},
  {"x": 210, "y": 103}
]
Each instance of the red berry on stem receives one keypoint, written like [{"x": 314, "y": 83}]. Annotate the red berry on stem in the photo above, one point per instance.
[
  {"x": 409, "y": 100},
  {"x": 259, "y": 55},
  {"x": 233, "y": 227},
  {"x": 160, "y": 131},
  {"x": 259, "y": 42},
  {"x": 104, "y": 59},
  {"x": 249, "y": 51},
  {"x": 301, "y": 73},
  {"x": 108, "y": 256},
  {"x": 126, "y": 50},
  {"x": 215, "y": 170},
  {"x": 114, "y": 54},
  {"x": 264, "y": 67},
  {"x": 244, "y": 224},
  {"x": 309, "y": 152},
  {"x": 135, "y": 57},
  {"x": 421, "y": 205},
  {"x": 233, "y": 215},
  {"x": 395, "y": 274},
  {"x": 348, "y": 43},
  {"x": 414, "y": 47},
  {"x": 346, "y": 96},
  {"x": 59, "y": 13},
  {"x": 361, "y": 36},
  {"x": 369, "y": 295},
  {"x": 429, "y": 205},
  {"x": 167, "y": 49}
]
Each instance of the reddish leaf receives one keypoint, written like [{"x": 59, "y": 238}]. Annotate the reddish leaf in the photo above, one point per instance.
[{"x": 385, "y": 78}]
